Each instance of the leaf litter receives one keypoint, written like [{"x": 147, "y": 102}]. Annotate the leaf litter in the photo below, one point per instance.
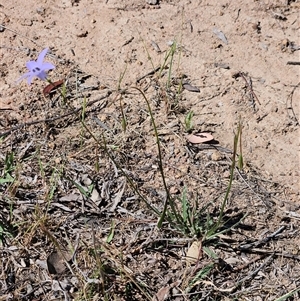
[
  {"x": 239, "y": 261},
  {"x": 199, "y": 138},
  {"x": 67, "y": 192},
  {"x": 220, "y": 35}
]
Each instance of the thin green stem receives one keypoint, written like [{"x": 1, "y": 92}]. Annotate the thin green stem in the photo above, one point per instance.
[
  {"x": 235, "y": 144},
  {"x": 168, "y": 196}
]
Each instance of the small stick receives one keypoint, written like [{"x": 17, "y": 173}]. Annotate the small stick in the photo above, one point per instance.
[
  {"x": 148, "y": 74},
  {"x": 254, "y": 273},
  {"x": 249, "y": 86},
  {"x": 245, "y": 265},
  {"x": 290, "y": 107},
  {"x": 263, "y": 241},
  {"x": 293, "y": 63}
]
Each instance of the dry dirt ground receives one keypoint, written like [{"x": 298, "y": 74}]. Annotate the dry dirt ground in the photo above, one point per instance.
[{"x": 62, "y": 183}]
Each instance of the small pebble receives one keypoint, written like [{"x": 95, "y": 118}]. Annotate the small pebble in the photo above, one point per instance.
[
  {"x": 57, "y": 160},
  {"x": 226, "y": 174},
  {"x": 216, "y": 156},
  {"x": 152, "y": 2},
  {"x": 82, "y": 34}
]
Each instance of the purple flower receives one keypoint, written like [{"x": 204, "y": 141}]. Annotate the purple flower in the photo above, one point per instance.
[{"x": 37, "y": 68}]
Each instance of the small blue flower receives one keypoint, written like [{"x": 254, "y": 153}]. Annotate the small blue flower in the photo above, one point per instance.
[{"x": 37, "y": 68}]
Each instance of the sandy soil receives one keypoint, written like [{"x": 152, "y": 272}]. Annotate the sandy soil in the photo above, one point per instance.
[{"x": 105, "y": 37}]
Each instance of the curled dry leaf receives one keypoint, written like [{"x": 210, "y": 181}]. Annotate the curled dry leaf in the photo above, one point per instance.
[
  {"x": 190, "y": 88},
  {"x": 164, "y": 293},
  {"x": 155, "y": 47},
  {"x": 56, "y": 261},
  {"x": 220, "y": 35},
  {"x": 47, "y": 90},
  {"x": 200, "y": 137}
]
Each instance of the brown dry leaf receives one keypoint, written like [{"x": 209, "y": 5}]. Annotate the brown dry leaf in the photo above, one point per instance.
[
  {"x": 56, "y": 261},
  {"x": 194, "y": 252},
  {"x": 47, "y": 90},
  {"x": 118, "y": 196},
  {"x": 164, "y": 292},
  {"x": 199, "y": 138},
  {"x": 190, "y": 88}
]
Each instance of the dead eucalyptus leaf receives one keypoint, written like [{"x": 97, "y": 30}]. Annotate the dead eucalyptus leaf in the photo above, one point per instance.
[
  {"x": 220, "y": 35},
  {"x": 190, "y": 88},
  {"x": 47, "y": 90},
  {"x": 164, "y": 292},
  {"x": 155, "y": 46},
  {"x": 199, "y": 138},
  {"x": 56, "y": 261},
  {"x": 118, "y": 196}
]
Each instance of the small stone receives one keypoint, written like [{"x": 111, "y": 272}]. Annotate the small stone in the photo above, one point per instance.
[
  {"x": 235, "y": 74},
  {"x": 82, "y": 34},
  {"x": 216, "y": 156},
  {"x": 152, "y": 2},
  {"x": 40, "y": 10},
  {"x": 57, "y": 160},
  {"x": 86, "y": 180},
  {"x": 226, "y": 174}
]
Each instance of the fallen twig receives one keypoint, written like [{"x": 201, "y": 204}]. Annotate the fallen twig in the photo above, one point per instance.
[
  {"x": 293, "y": 63},
  {"x": 250, "y": 87}
]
